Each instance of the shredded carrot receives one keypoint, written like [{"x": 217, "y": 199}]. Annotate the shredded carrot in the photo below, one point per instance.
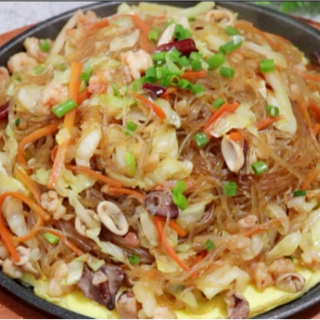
[
  {"x": 305, "y": 115},
  {"x": 312, "y": 176},
  {"x": 140, "y": 24},
  {"x": 201, "y": 256},
  {"x": 5, "y": 234},
  {"x": 32, "y": 233},
  {"x": 127, "y": 191},
  {"x": 165, "y": 243},
  {"x": 65, "y": 241},
  {"x": 315, "y": 109},
  {"x": 261, "y": 228},
  {"x": 101, "y": 24},
  {"x": 157, "y": 110},
  {"x": 306, "y": 75},
  {"x": 30, "y": 184},
  {"x": 316, "y": 129},
  {"x": 36, "y": 135},
  {"x": 54, "y": 153},
  {"x": 83, "y": 96},
  {"x": 95, "y": 175},
  {"x": 225, "y": 108},
  {"x": 190, "y": 75},
  {"x": 264, "y": 123},
  {"x": 248, "y": 27},
  {"x": 73, "y": 93},
  {"x": 235, "y": 136},
  {"x": 169, "y": 91},
  {"x": 174, "y": 226}
]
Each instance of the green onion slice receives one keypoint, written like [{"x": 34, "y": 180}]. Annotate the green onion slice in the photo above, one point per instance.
[
  {"x": 227, "y": 72},
  {"x": 230, "y": 46},
  {"x": 215, "y": 61},
  {"x": 218, "y": 103},
  {"x": 267, "y": 65},
  {"x": 231, "y": 31},
  {"x": 197, "y": 88},
  {"x": 51, "y": 238},
  {"x": 229, "y": 188},
  {"x": 299, "y": 193},
  {"x": 201, "y": 139},
  {"x": 133, "y": 259},
  {"x": 272, "y": 111},
  {"x": 44, "y": 45},
  {"x": 64, "y": 108},
  {"x": 209, "y": 245},
  {"x": 259, "y": 167},
  {"x": 131, "y": 127}
]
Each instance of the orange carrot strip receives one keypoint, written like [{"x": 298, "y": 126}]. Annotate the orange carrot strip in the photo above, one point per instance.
[
  {"x": 158, "y": 223},
  {"x": 305, "y": 115},
  {"x": 101, "y": 24},
  {"x": 306, "y": 75},
  {"x": 312, "y": 176},
  {"x": 5, "y": 234},
  {"x": 73, "y": 93},
  {"x": 190, "y": 75},
  {"x": 30, "y": 203},
  {"x": 36, "y": 135},
  {"x": 65, "y": 241},
  {"x": 157, "y": 110},
  {"x": 174, "y": 226},
  {"x": 169, "y": 91},
  {"x": 315, "y": 109},
  {"x": 140, "y": 24},
  {"x": 201, "y": 256},
  {"x": 127, "y": 191},
  {"x": 83, "y": 96},
  {"x": 264, "y": 123},
  {"x": 225, "y": 108},
  {"x": 30, "y": 184},
  {"x": 235, "y": 136},
  {"x": 246, "y": 26},
  {"x": 316, "y": 129},
  {"x": 95, "y": 175},
  {"x": 32, "y": 233}
]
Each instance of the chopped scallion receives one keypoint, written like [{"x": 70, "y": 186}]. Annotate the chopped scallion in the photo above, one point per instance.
[
  {"x": 151, "y": 75},
  {"x": 196, "y": 56},
  {"x": 259, "y": 167},
  {"x": 230, "y": 46},
  {"x": 227, "y": 72},
  {"x": 231, "y": 31},
  {"x": 130, "y": 163},
  {"x": 185, "y": 84},
  {"x": 267, "y": 65},
  {"x": 215, "y": 61},
  {"x": 137, "y": 85},
  {"x": 183, "y": 61},
  {"x": 178, "y": 31},
  {"x": 175, "y": 81},
  {"x": 196, "y": 65},
  {"x": 229, "y": 188},
  {"x": 209, "y": 245},
  {"x": 51, "y": 238},
  {"x": 116, "y": 90},
  {"x": 85, "y": 76},
  {"x": 154, "y": 34},
  {"x": 299, "y": 193},
  {"x": 198, "y": 88},
  {"x": 159, "y": 58},
  {"x": 173, "y": 69},
  {"x": 169, "y": 23},
  {"x": 133, "y": 259},
  {"x": 19, "y": 78},
  {"x": 201, "y": 139},
  {"x": 38, "y": 69},
  {"x": 191, "y": 19},
  {"x": 44, "y": 45},
  {"x": 177, "y": 195},
  {"x": 272, "y": 111},
  {"x": 218, "y": 103},
  {"x": 174, "y": 55},
  {"x": 64, "y": 108},
  {"x": 131, "y": 127},
  {"x": 17, "y": 122}
]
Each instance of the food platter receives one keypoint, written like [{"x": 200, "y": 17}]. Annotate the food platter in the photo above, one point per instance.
[{"x": 300, "y": 34}]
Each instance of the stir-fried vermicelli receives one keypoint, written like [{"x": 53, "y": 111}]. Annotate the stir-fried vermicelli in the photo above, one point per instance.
[{"x": 158, "y": 158}]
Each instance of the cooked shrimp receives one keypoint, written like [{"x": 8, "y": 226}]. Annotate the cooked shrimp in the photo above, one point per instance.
[
  {"x": 32, "y": 46},
  {"x": 21, "y": 62},
  {"x": 220, "y": 15},
  {"x": 281, "y": 266},
  {"x": 4, "y": 74},
  {"x": 51, "y": 202},
  {"x": 137, "y": 62},
  {"x": 53, "y": 94},
  {"x": 262, "y": 276}
]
